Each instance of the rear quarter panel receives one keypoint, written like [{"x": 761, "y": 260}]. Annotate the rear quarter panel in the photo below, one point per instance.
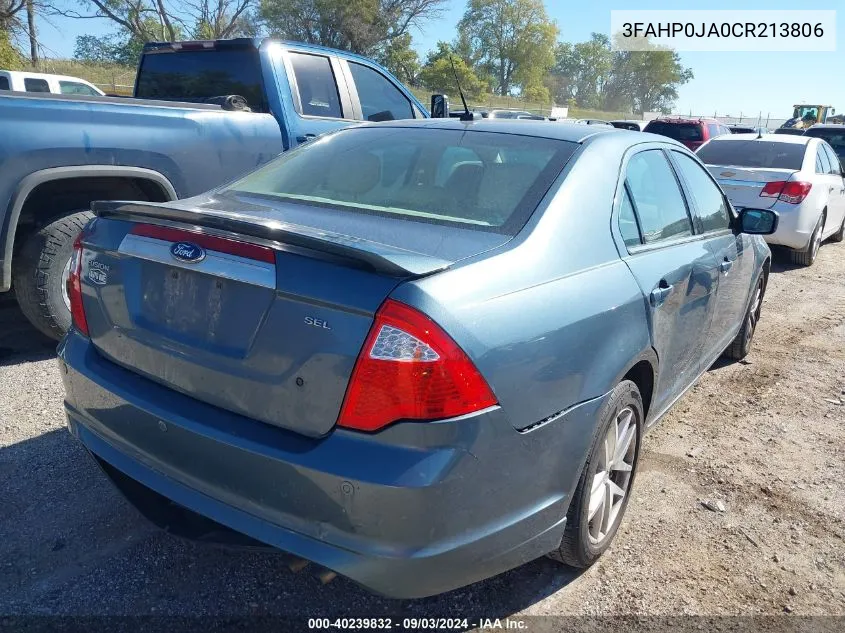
[{"x": 553, "y": 318}]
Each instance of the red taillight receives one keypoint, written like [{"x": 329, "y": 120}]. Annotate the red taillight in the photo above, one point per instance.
[
  {"x": 410, "y": 369},
  {"x": 208, "y": 242},
  {"x": 74, "y": 288},
  {"x": 791, "y": 191}
]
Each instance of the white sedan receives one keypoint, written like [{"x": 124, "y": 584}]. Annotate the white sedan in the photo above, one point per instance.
[{"x": 798, "y": 176}]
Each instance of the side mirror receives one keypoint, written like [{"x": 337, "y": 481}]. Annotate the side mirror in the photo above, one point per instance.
[
  {"x": 758, "y": 221},
  {"x": 439, "y": 107}
]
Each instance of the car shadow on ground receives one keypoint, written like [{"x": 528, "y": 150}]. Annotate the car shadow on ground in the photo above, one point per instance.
[
  {"x": 19, "y": 341},
  {"x": 75, "y": 535},
  {"x": 781, "y": 261}
]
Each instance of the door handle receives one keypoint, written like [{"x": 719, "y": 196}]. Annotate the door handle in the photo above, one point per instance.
[
  {"x": 305, "y": 138},
  {"x": 725, "y": 266},
  {"x": 659, "y": 294}
]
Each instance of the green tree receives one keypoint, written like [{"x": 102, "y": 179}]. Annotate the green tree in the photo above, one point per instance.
[
  {"x": 647, "y": 81},
  {"x": 124, "y": 47},
  {"x": 512, "y": 40},
  {"x": 583, "y": 70},
  {"x": 438, "y": 76},
  {"x": 402, "y": 60},
  {"x": 361, "y": 26},
  {"x": 10, "y": 57}
]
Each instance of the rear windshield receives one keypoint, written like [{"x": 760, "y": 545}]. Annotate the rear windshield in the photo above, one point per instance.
[
  {"x": 753, "y": 153},
  {"x": 478, "y": 180},
  {"x": 199, "y": 75},
  {"x": 835, "y": 137},
  {"x": 677, "y": 131}
]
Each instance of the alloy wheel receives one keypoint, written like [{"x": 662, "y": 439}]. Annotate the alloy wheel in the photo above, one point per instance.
[
  {"x": 612, "y": 479},
  {"x": 754, "y": 311},
  {"x": 817, "y": 239}
]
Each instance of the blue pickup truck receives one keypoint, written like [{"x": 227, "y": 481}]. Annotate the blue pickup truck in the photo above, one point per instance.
[{"x": 202, "y": 114}]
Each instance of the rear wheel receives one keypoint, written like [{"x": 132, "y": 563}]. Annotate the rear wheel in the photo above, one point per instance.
[
  {"x": 741, "y": 345},
  {"x": 40, "y": 273},
  {"x": 807, "y": 256},
  {"x": 601, "y": 497}
]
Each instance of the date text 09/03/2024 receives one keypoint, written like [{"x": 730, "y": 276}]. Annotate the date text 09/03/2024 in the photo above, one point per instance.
[{"x": 415, "y": 624}]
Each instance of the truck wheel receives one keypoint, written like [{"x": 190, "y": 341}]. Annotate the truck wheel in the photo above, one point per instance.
[{"x": 40, "y": 273}]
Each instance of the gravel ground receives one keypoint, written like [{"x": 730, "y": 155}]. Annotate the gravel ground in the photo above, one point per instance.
[{"x": 765, "y": 438}]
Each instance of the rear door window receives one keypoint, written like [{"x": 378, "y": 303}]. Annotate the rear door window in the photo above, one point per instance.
[
  {"x": 657, "y": 198},
  {"x": 316, "y": 85},
  {"x": 4, "y": 83},
  {"x": 628, "y": 221},
  {"x": 713, "y": 130},
  {"x": 709, "y": 206},
  {"x": 822, "y": 161},
  {"x": 753, "y": 153},
  {"x": 35, "y": 85},
  {"x": 380, "y": 99}
]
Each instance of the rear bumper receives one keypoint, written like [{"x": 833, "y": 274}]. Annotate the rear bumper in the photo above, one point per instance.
[
  {"x": 415, "y": 510},
  {"x": 795, "y": 225}
]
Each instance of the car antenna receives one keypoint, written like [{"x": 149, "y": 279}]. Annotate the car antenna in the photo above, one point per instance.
[{"x": 467, "y": 115}]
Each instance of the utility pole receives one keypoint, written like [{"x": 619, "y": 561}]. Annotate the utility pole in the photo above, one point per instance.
[{"x": 32, "y": 32}]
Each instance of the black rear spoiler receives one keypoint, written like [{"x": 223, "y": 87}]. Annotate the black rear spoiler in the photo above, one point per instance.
[{"x": 381, "y": 258}]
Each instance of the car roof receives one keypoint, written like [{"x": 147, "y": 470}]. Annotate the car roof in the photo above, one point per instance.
[
  {"x": 559, "y": 130},
  {"x": 684, "y": 120},
  {"x": 828, "y": 126},
  {"x": 776, "y": 138}
]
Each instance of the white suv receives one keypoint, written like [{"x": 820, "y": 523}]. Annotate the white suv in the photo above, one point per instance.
[{"x": 800, "y": 177}]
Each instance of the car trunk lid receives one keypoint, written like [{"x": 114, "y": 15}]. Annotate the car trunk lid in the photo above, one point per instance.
[
  {"x": 235, "y": 305},
  {"x": 743, "y": 185}
]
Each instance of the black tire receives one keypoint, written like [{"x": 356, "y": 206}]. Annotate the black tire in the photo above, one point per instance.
[
  {"x": 807, "y": 256},
  {"x": 577, "y": 548},
  {"x": 38, "y": 270},
  {"x": 741, "y": 345},
  {"x": 840, "y": 234}
]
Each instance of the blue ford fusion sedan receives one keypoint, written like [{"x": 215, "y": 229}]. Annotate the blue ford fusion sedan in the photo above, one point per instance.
[{"x": 416, "y": 353}]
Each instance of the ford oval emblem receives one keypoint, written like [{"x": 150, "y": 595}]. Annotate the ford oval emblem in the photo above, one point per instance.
[{"x": 187, "y": 252}]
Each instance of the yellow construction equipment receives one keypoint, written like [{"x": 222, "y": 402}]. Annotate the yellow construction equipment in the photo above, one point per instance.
[{"x": 805, "y": 115}]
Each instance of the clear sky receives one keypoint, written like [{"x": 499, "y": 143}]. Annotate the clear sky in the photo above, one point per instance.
[{"x": 724, "y": 83}]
